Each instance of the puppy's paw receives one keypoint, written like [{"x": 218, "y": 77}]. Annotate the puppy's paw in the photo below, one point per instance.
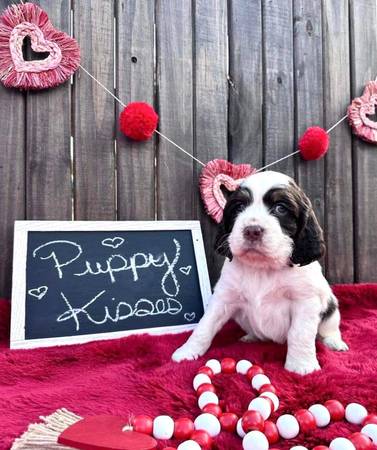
[
  {"x": 302, "y": 367},
  {"x": 248, "y": 338},
  {"x": 186, "y": 352},
  {"x": 335, "y": 343}
]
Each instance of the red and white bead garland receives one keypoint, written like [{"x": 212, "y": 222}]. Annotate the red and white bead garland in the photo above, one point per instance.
[{"x": 257, "y": 432}]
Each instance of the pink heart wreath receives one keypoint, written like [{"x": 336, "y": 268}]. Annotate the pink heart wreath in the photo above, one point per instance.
[
  {"x": 216, "y": 174},
  {"x": 29, "y": 20},
  {"x": 359, "y": 110}
]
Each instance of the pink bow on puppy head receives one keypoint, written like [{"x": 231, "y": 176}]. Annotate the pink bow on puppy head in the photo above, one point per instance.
[{"x": 218, "y": 173}]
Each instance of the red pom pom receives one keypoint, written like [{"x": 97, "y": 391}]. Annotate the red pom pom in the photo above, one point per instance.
[
  {"x": 212, "y": 408},
  {"x": 336, "y": 410},
  {"x": 228, "y": 421},
  {"x": 206, "y": 370},
  {"x": 143, "y": 424},
  {"x": 205, "y": 387},
  {"x": 138, "y": 121},
  {"x": 361, "y": 441},
  {"x": 183, "y": 428},
  {"x": 254, "y": 370},
  {"x": 370, "y": 418},
  {"x": 203, "y": 439},
  {"x": 271, "y": 432},
  {"x": 252, "y": 420},
  {"x": 228, "y": 365},
  {"x": 314, "y": 143}
]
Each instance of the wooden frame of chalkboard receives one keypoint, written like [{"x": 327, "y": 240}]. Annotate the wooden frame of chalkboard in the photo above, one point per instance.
[{"x": 27, "y": 334}]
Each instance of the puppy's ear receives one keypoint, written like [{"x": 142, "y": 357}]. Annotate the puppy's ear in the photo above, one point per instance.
[
  {"x": 221, "y": 242},
  {"x": 309, "y": 244}
]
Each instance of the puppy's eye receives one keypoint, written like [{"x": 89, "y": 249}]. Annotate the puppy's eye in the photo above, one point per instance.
[{"x": 280, "y": 209}]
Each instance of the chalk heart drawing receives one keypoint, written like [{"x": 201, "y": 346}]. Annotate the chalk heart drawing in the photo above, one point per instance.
[
  {"x": 189, "y": 316},
  {"x": 114, "y": 242},
  {"x": 185, "y": 270},
  {"x": 39, "y": 292}
]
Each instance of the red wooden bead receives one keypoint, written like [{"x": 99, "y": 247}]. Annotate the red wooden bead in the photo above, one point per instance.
[
  {"x": 228, "y": 365},
  {"x": 183, "y": 428},
  {"x": 169, "y": 448},
  {"x": 267, "y": 388},
  {"x": 320, "y": 447},
  {"x": 306, "y": 420},
  {"x": 254, "y": 370},
  {"x": 252, "y": 420},
  {"x": 228, "y": 421},
  {"x": 360, "y": 441},
  {"x": 271, "y": 432},
  {"x": 203, "y": 439},
  {"x": 370, "y": 418},
  {"x": 206, "y": 387},
  {"x": 143, "y": 424},
  {"x": 206, "y": 370},
  {"x": 212, "y": 408},
  {"x": 336, "y": 409}
]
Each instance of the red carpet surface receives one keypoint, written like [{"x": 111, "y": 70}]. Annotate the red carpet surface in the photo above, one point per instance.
[{"x": 135, "y": 375}]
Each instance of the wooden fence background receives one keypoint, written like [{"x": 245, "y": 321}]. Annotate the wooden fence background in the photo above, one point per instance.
[{"x": 237, "y": 79}]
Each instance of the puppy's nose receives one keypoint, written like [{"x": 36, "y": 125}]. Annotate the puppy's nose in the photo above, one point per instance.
[{"x": 253, "y": 232}]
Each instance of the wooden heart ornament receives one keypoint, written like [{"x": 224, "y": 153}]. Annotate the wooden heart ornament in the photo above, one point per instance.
[
  {"x": 217, "y": 174},
  {"x": 105, "y": 433},
  {"x": 22, "y": 21},
  {"x": 359, "y": 111}
]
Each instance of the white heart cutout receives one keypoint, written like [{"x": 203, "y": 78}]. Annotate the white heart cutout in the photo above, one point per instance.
[
  {"x": 39, "y": 292},
  {"x": 114, "y": 242}
]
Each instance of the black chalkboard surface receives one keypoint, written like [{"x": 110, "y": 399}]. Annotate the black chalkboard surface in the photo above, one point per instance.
[{"x": 79, "y": 281}]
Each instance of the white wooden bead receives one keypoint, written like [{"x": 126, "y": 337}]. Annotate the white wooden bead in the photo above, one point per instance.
[
  {"x": 189, "y": 445},
  {"x": 200, "y": 379},
  {"x": 240, "y": 431},
  {"x": 341, "y": 443},
  {"x": 208, "y": 423},
  {"x": 215, "y": 365},
  {"x": 163, "y": 427},
  {"x": 243, "y": 366},
  {"x": 321, "y": 415},
  {"x": 262, "y": 405},
  {"x": 207, "y": 398},
  {"x": 255, "y": 440},
  {"x": 355, "y": 413},
  {"x": 288, "y": 426},
  {"x": 273, "y": 397},
  {"x": 298, "y": 447},
  {"x": 371, "y": 431},
  {"x": 259, "y": 380}
]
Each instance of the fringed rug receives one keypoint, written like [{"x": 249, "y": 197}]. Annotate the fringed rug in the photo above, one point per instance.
[{"x": 135, "y": 375}]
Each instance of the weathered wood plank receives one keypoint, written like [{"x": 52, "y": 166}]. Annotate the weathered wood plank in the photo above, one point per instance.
[
  {"x": 12, "y": 174},
  {"x": 338, "y": 198},
  {"x": 94, "y": 112},
  {"x": 135, "y": 82},
  {"x": 175, "y": 103},
  {"x": 246, "y": 82},
  {"x": 48, "y": 132},
  {"x": 309, "y": 93},
  {"x": 278, "y": 118},
  {"x": 211, "y": 100},
  {"x": 364, "y": 68}
]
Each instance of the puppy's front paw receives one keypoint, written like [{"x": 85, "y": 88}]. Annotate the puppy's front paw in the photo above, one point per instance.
[
  {"x": 249, "y": 338},
  {"x": 302, "y": 367},
  {"x": 186, "y": 352}
]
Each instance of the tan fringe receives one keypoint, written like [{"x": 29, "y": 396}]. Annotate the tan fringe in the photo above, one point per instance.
[{"x": 44, "y": 436}]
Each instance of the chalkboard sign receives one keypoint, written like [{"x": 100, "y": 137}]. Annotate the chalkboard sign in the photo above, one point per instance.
[{"x": 81, "y": 281}]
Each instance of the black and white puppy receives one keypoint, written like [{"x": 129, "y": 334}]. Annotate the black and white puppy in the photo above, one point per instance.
[{"x": 271, "y": 283}]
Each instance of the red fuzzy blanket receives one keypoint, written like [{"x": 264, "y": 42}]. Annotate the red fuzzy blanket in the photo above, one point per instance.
[{"x": 135, "y": 375}]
